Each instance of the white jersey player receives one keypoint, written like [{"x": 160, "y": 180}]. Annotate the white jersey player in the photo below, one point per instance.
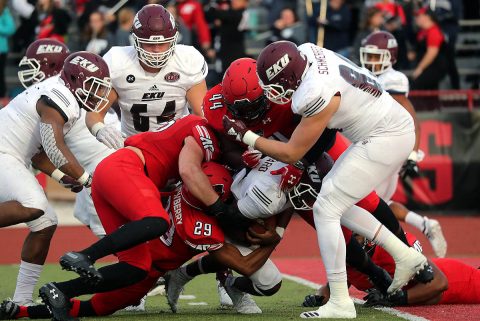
[
  {"x": 328, "y": 90},
  {"x": 378, "y": 54},
  {"x": 154, "y": 81}
]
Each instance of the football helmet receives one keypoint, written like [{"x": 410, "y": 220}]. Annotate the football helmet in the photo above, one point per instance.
[
  {"x": 154, "y": 25},
  {"x": 281, "y": 68},
  {"x": 378, "y": 52},
  {"x": 43, "y": 59},
  {"x": 242, "y": 93},
  {"x": 87, "y": 77},
  {"x": 303, "y": 196},
  {"x": 220, "y": 179}
]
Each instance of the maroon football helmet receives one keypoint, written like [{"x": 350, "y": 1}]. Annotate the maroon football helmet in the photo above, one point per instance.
[
  {"x": 154, "y": 25},
  {"x": 378, "y": 52},
  {"x": 281, "y": 67},
  {"x": 242, "y": 93},
  {"x": 88, "y": 78},
  {"x": 220, "y": 179},
  {"x": 43, "y": 59}
]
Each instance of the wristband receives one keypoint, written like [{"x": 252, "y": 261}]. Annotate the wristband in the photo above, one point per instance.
[
  {"x": 96, "y": 128},
  {"x": 84, "y": 178},
  {"x": 57, "y": 175},
  {"x": 280, "y": 231},
  {"x": 250, "y": 138},
  {"x": 413, "y": 156}
]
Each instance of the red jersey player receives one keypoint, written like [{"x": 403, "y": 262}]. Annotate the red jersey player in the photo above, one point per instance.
[{"x": 191, "y": 232}]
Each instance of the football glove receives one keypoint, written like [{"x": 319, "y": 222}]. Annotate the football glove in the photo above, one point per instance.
[
  {"x": 235, "y": 129},
  {"x": 291, "y": 175},
  {"x": 251, "y": 157},
  {"x": 66, "y": 181},
  {"x": 313, "y": 300},
  {"x": 410, "y": 167},
  {"x": 110, "y": 136}
]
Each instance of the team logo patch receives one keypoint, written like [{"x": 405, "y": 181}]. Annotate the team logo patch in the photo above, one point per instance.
[
  {"x": 278, "y": 66},
  {"x": 46, "y": 49},
  {"x": 84, "y": 63},
  {"x": 172, "y": 77},
  {"x": 130, "y": 79}
]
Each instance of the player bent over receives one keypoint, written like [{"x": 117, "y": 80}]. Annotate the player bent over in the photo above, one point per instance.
[{"x": 191, "y": 232}]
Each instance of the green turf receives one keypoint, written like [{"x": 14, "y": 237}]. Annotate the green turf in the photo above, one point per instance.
[{"x": 285, "y": 305}]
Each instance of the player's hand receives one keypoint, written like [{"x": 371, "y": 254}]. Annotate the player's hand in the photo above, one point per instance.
[
  {"x": 269, "y": 237},
  {"x": 235, "y": 129},
  {"x": 313, "y": 300},
  {"x": 291, "y": 175},
  {"x": 376, "y": 298},
  {"x": 409, "y": 169},
  {"x": 251, "y": 157},
  {"x": 66, "y": 181},
  {"x": 110, "y": 136}
]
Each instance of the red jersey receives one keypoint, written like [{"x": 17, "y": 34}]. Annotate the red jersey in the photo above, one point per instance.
[
  {"x": 431, "y": 37},
  {"x": 192, "y": 15},
  {"x": 162, "y": 147},
  {"x": 191, "y": 232},
  {"x": 279, "y": 118}
]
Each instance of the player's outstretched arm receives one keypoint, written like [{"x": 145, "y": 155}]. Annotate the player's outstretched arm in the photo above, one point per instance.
[
  {"x": 195, "y": 97},
  {"x": 53, "y": 143}
]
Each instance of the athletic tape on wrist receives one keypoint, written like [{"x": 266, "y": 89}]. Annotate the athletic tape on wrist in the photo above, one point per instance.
[
  {"x": 57, "y": 174},
  {"x": 84, "y": 178},
  {"x": 250, "y": 138},
  {"x": 280, "y": 231}
]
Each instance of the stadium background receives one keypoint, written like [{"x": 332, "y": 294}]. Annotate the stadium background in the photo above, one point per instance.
[{"x": 449, "y": 117}]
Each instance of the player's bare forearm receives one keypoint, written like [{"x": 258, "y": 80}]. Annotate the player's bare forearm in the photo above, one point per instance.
[
  {"x": 41, "y": 162},
  {"x": 195, "y": 97},
  {"x": 407, "y": 104},
  {"x": 189, "y": 167},
  {"x": 231, "y": 257},
  {"x": 431, "y": 292}
]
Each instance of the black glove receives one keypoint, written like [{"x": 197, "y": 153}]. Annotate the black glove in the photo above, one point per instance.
[
  {"x": 313, "y": 300},
  {"x": 376, "y": 298},
  {"x": 71, "y": 183},
  {"x": 409, "y": 169}
]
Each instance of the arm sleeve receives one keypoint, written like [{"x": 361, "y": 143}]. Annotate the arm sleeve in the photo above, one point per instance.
[{"x": 207, "y": 140}]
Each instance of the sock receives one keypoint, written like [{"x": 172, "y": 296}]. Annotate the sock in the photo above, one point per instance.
[
  {"x": 417, "y": 221},
  {"x": 338, "y": 290},
  {"x": 206, "y": 264},
  {"x": 391, "y": 243},
  {"x": 127, "y": 236},
  {"x": 384, "y": 214},
  {"x": 28, "y": 276},
  {"x": 34, "y": 312}
]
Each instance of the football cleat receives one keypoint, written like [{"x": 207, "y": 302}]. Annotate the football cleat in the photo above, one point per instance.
[
  {"x": 433, "y": 232},
  {"x": 140, "y": 307},
  {"x": 8, "y": 310},
  {"x": 344, "y": 309},
  {"x": 82, "y": 265},
  {"x": 225, "y": 300},
  {"x": 412, "y": 263},
  {"x": 58, "y": 304},
  {"x": 242, "y": 302},
  {"x": 174, "y": 282}
]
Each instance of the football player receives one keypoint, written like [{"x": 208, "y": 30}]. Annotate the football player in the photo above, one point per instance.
[
  {"x": 454, "y": 283},
  {"x": 154, "y": 81},
  {"x": 36, "y": 120},
  {"x": 191, "y": 232},
  {"x": 378, "y": 54},
  {"x": 327, "y": 89}
]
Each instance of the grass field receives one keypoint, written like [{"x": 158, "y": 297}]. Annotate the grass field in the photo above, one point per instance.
[{"x": 285, "y": 305}]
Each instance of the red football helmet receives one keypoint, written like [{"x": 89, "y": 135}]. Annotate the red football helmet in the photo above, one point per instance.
[
  {"x": 242, "y": 93},
  {"x": 378, "y": 52},
  {"x": 281, "y": 68},
  {"x": 220, "y": 179},
  {"x": 154, "y": 25},
  {"x": 44, "y": 58},
  {"x": 88, "y": 78}
]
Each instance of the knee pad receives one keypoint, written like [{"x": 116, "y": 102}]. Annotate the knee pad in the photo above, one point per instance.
[
  {"x": 49, "y": 218},
  {"x": 267, "y": 277},
  {"x": 269, "y": 292}
]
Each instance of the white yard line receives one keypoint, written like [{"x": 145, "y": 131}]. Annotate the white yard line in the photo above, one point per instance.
[{"x": 392, "y": 311}]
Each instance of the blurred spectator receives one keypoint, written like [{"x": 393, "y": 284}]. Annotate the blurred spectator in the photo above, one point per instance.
[
  {"x": 103, "y": 6},
  {"x": 448, "y": 13},
  {"x": 95, "y": 37},
  {"x": 122, "y": 36},
  {"x": 287, "y": 27},
  {"x": 185, "y": 36},
  {"x": 371, "y": 22},
  {"x": 25, "y": 33},
  {"x": 191, "y": 12},
  {"x": 337, "y": 25},
  {"x": 54, "y": 20},
  {"x": 274, "y": 8},
  {"x": 7, "y": 28},
  {"x": 430, "y": 52},
  {"x": 228, "y": 18}
]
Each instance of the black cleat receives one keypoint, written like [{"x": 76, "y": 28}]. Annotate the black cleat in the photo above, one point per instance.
[
  {"x": 8, "y": 310},
  {"x": 58, "y": 304},
  {"x": 81, "y": 264},
  {"x": 381, "y": 281},
  {"x": 425, "y": 275}
]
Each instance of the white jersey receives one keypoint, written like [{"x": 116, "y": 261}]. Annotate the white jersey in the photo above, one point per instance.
[
  {"x": 365, "y": 110},
  {"x": 258, "y": 192},
  {"x": 394, "y": 82},
  {"x": 20, "y": 122},
  {"x": 147, "y": 99}
]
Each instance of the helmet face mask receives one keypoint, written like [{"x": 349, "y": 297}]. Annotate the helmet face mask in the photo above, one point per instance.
[
  {"x": 303, "y": 196},
  {"x": 30, "y": 72},
  {"x": 277, "y": 94},
  {"x": 154, "y": 59},
  {"x": 375, "y": 60},
  {"x": 249, "y": 112},
  {"x": 94, "y": 94}
]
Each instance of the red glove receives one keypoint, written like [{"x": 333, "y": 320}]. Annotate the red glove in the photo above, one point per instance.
[
  {"x": 251, "y": 157},
  {"x": 235, "y": 129},
  {"x": 291, "y": 175}
]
